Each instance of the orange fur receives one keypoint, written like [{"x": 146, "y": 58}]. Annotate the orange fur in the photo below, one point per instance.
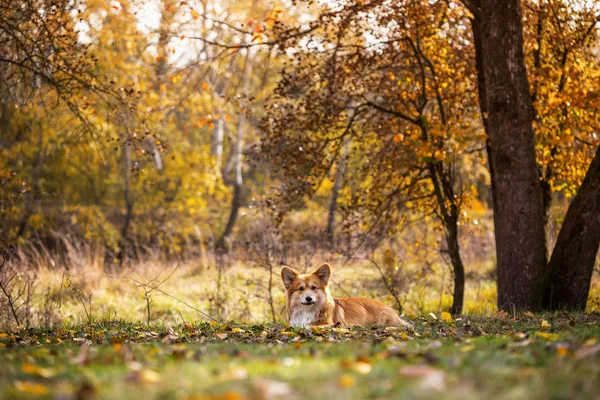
[{"x": 325, "y": 310}]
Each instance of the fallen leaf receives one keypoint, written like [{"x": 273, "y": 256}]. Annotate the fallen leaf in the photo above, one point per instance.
[
  {"x": 221, "y": 336},
  {"x": 548, "y": 336},
  {"x": 466, "y": 349},
  {"x": 586, "y": 352},
  {"x": 446, "y": 317},
  {"x": 398, "y": 137},
  {"x": 430, "y": 378},
  {"x": 590, "y": 342},
  {"x": 33, "y": 369},
  {"x": 398, "y": 350},
  {"x": 347, "y": 381},
  {"x": 342, "y": 330},
  {"x": 362, "y": 367},
  {"x": 31, "y": 387},
  {"x": 544, "y": 324},
  {"x": 143, "y": 376},
  {"x": 562, "y": 350},
  {"x": 272, "y": 389},
  {"x": 434, "y": 344}
]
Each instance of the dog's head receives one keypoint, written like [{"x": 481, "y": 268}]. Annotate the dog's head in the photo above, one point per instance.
[{"x": 306, "y": 290}]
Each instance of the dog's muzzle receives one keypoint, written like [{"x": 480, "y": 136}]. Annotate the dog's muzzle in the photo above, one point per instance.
[{"x": 308, "y": 301}]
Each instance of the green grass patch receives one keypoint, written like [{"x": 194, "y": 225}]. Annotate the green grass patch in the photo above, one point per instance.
[{"x": 529, "y": 356}]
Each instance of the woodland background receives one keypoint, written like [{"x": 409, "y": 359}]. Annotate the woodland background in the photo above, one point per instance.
[{"x": 161, "y": 160}]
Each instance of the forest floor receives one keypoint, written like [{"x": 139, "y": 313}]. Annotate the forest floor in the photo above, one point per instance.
[{"x": 546, "y": 356}]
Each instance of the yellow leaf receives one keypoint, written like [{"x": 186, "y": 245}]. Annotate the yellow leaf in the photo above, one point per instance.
[
  {"x": 545, "y": 324},
  {"x": 529, "y": 314},
  {"x": 362, "y": 367},
  {"x": 257, "y": 37},
  {"x": 231, "y": 396},
  {"x": 30, "y": 387},
  {"x": 347, "y": 381},
  {"x": 562, "y": 351},
  {"x": 446, "y": 317},
  {"x": 467, "y": 348},
  {"x": 149, "y": 376},
  {"x": 237, "y": 330},
  {"x": 29, "y": 368},
  {"x": 548, "y": 336},
  {"x": 341, "y": 330},
  {"x": 195, "y": 15}
]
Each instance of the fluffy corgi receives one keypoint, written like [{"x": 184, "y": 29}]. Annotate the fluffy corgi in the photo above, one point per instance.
[{"x": 309, "y": 302}]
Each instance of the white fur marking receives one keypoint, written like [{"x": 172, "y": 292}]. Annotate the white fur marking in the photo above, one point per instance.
[{"x": 304, "y": 316}]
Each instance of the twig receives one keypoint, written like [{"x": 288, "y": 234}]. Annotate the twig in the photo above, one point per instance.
[{"x": 11, "y": 301}]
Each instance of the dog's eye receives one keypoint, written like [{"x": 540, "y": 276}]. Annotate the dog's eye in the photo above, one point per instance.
[
  {"x": 314, "y": 287},
  {"x": 300, "y": 289}
]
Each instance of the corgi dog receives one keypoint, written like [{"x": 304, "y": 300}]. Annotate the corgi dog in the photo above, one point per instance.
[{"x": 309, "y": 302}]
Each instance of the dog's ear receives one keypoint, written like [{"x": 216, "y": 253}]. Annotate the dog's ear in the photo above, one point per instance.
[
  {"x": 323, "y": 273},
  {"x": 288, "y": 276}
]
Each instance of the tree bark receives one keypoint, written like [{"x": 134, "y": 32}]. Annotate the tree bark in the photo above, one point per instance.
[
  {"x": 128, "y": 203},
  {"x": 574, "y": 256},
  {"x": 337, "y": 185},
  {"x": 517, "y": 192},
  {"x": 236, "y": 202},
  {"x": 32, "y": 195},
  {"x": 458, "y": 269},
  {"x": 216, "y": 147}
]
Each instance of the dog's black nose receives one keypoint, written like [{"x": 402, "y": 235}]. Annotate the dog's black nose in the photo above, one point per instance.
[{"x": 308, "y": 299}]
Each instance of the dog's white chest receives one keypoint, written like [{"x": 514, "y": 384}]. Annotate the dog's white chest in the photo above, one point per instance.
[{"x": 303, "y": 317}]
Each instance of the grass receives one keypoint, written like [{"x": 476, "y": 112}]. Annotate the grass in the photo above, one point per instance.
[{"x": 526, "y": 356}]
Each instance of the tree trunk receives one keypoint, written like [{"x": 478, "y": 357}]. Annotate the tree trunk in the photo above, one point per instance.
[
  {"x": 574, "y": 256},
  {"x": 517, "y": 192},
  {"x": 449, "y": 211},
  {"x": 239, "y": 150},
  {"x": 32, "y": 195},
  {"x": 337, "y": 185},
  {"x": 128, "y": 203},
  {"x": 458, "y": 269},
  {"x": 216, "y": 147}
]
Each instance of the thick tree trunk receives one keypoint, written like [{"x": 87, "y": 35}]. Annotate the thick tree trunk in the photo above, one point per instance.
[
  {"x": 574, "y": 256},
  {"x": 517, "y": 192}
]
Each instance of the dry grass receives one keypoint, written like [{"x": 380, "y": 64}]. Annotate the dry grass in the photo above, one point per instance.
[
  {"x": 177, "y": 291},
  {"x": 76, "y": 287}
]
